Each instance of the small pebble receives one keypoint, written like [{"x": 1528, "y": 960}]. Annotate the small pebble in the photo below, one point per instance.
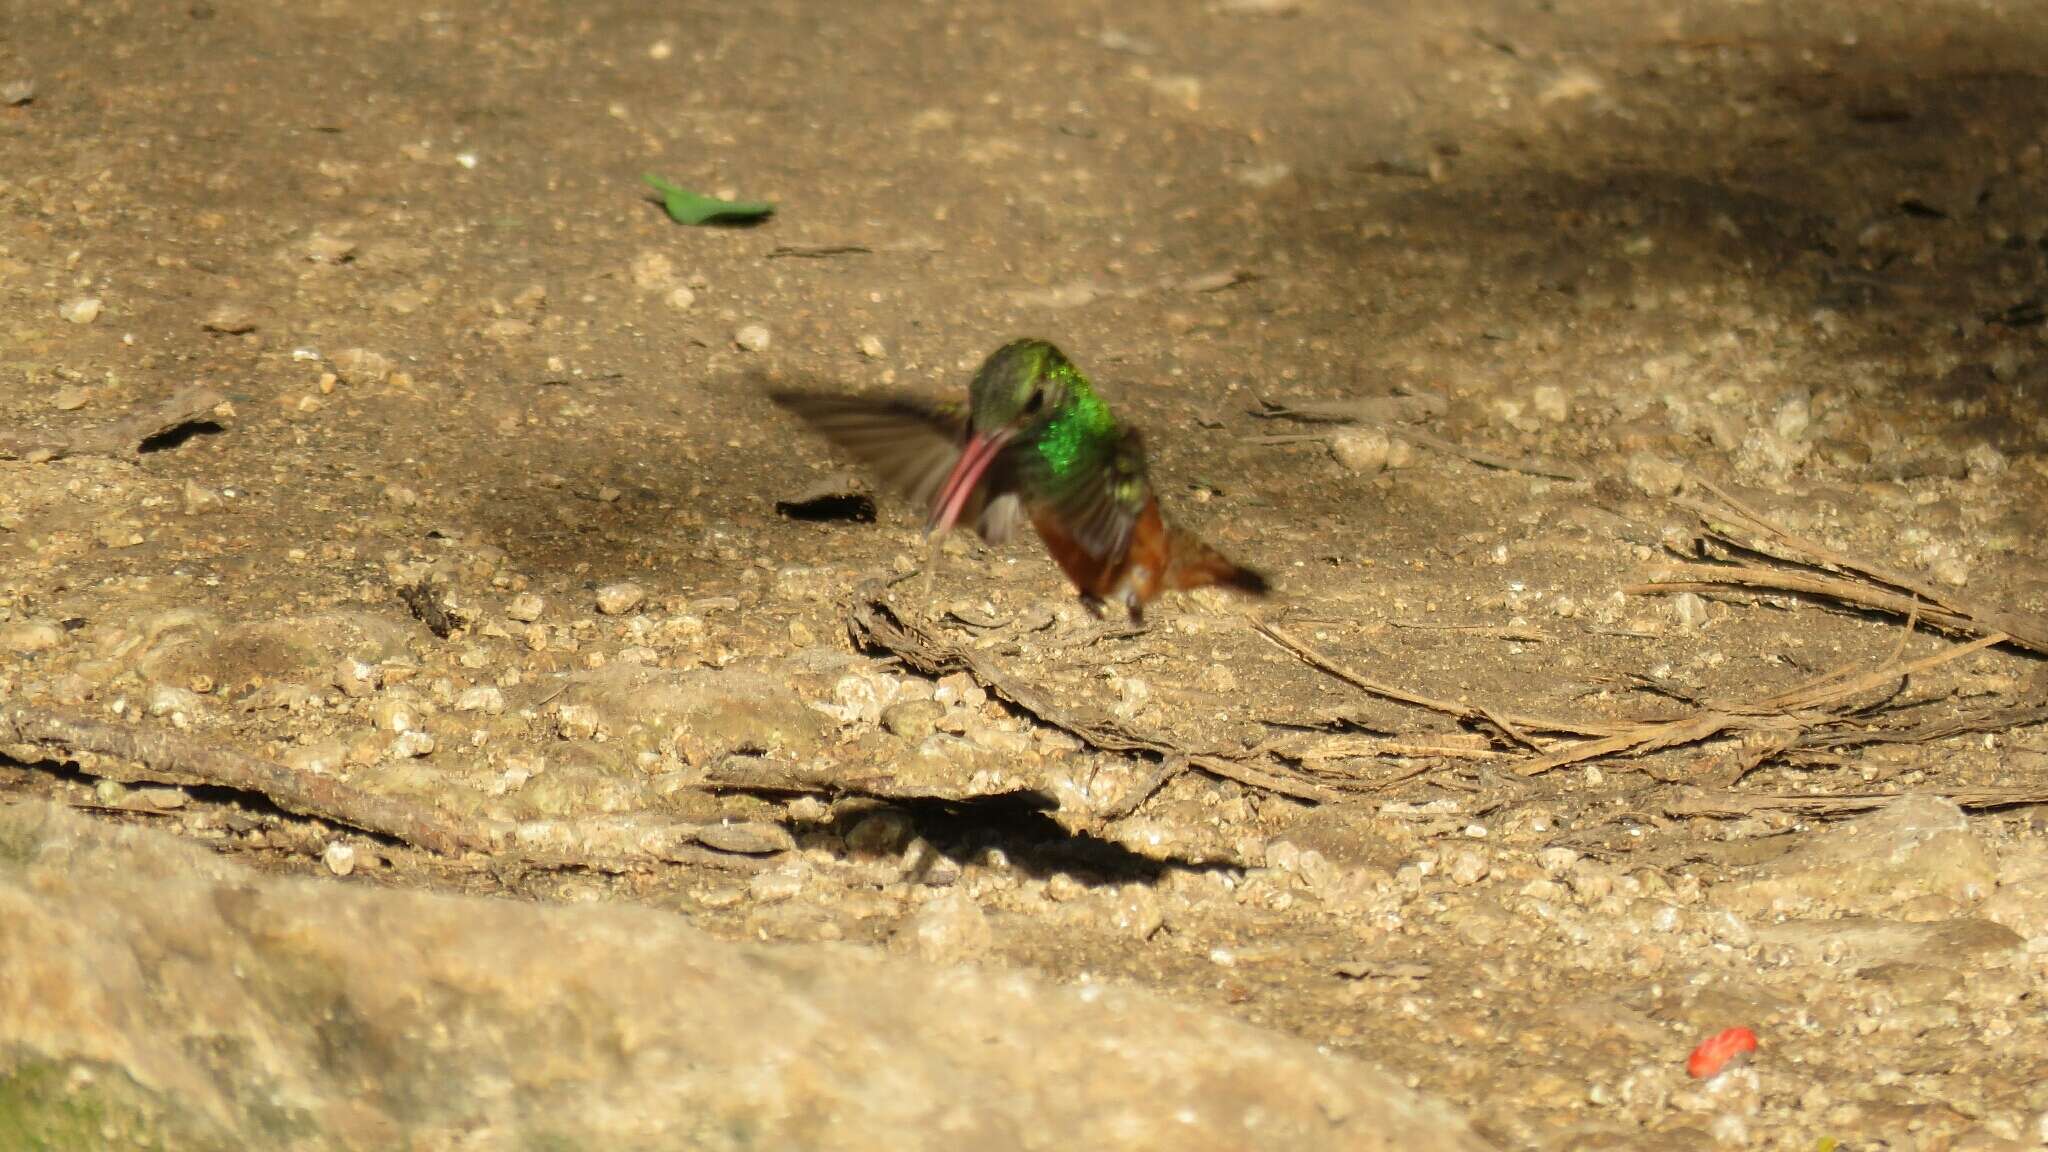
[
  {"x": 619, "y": 599},
  {"x": 1654, "y": 476},
  {"x": 180, "y": 704},
  {"x": 681, "y": 298},
  {"x": 485, "y": 698},
  {"x": 1690, "y": 609},
  {"x": 932, "y": 868},
  {"x": 362, "y": 366},
  {"x": 1366, "y": 451},
  {"x": 84, "y": 310},
  {"x": 776, "y": 885},
  {"x": 340, "y": 858},
  {"x": 752, "y": 338},
  {"x": 15, "y": 93},
  {"x": 357, "y": 679},
  {"x": 395, "y": 715},
  {"x": 883, "y": 833},
  {"x": 576, "y": 722},
  {"x": 653, "y": 271},
  {"x": 70, "y": 398},
  {"x": 411, "y": 745},
  {"x": 994, "y": 739},
  {"x": 325, "y": 249},
  {"x": 1061, "y": 887},
  {"x": 913, "y": 719},
  {"x": 30, "y": 636},
  {"x": 950, "y": 929},
  {"x": 747, "y": 837},
  {"x": 1138, "y": 913},
  {"x": 1984, "y": 462},
  {"x": 230, "y": 319},
  {"x": 526, "y": 608},
  {"x": 1468, "y": 868},
  {"x": 199, "y": 498},
  {"x": 871, "y": 347}
]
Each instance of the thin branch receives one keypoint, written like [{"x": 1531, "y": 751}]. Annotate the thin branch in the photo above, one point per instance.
[
  {"x": 1735, "y": 804},
  {"x": 1507, "y": 724},
  {"x": 1785, "y": 715},
  {"x": 2023, "y": 628},
  {"x": 876, "y": 623}
]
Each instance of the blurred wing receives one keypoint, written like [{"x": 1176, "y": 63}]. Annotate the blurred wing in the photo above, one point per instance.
[
  {"x": 911, "y": 447},
  {"x": 1096, "y": 495}
]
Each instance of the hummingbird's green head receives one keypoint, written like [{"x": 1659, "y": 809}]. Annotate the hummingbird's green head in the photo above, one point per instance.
[{"x": 1020, "y": 383}]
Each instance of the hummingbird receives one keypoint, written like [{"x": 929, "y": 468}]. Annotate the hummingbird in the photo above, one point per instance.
[{"x": 1034, "y": 442}]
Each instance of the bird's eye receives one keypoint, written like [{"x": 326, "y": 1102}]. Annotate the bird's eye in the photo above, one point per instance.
[{"x": 1036, "y": 402}]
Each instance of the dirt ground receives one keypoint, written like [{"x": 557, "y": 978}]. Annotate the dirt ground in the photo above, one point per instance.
[{"x": 474, "y": 383}]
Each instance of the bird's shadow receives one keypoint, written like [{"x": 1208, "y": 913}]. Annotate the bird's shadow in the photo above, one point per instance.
[{"x": 1018, "y": 829}]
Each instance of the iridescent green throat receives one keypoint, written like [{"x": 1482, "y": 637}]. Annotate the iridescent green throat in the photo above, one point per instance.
[{"x": 1081, "y": 421}]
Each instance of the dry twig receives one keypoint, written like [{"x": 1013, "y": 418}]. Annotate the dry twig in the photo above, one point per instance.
[
  {"x": 1782, "y": 718},
  {"x": 1693, "y": 802},
  {"x": 1509, "y": 725},
  {"x": 876, "y": 623},
  {"x": 1868, "y": 585}
]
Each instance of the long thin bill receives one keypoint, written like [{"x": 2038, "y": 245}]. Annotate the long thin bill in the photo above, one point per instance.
[{"x": 962, "y": 480}]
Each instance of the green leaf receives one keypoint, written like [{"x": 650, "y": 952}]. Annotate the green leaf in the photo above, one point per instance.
[{"x": 687, "y": 207}]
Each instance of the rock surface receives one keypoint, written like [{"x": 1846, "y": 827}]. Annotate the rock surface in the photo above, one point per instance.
[
  {"x": 152, "y": 992},
  {"x": 1916, "y": 847}
]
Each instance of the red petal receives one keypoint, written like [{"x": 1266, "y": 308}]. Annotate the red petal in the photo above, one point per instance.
[{"x": 1716, "y": 1051}]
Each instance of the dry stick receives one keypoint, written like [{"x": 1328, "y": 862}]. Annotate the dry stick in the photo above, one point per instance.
[
  {"x": 164, "y": 754},
  {"x": 1706, "y": 577},
  {"x": 876, "y": 622},
  {"x": 1400, "y": 409},
  {"x": 2023, "y": 628},
  {"x": 2002, "y": 721},
  {"x": 1813, "y": 696},
  {"x": 1722, "y": 803},
  {"x": 1912, "y": 626},
  {"x": 1850, "y": 669},
  {"x": 1507, "y": 723},
  {"x": 1789, "y": 712}
]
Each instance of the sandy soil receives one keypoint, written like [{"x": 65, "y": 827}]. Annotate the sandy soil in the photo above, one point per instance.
[{"x": 473, "y": 377}]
